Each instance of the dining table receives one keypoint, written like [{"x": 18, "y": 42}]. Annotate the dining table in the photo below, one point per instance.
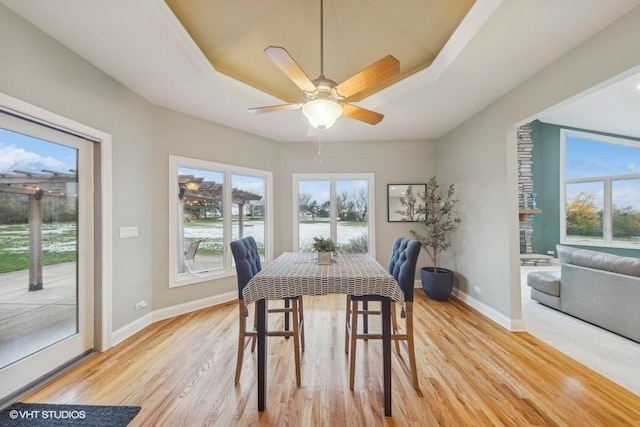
[{"x": 294, "y": 274}]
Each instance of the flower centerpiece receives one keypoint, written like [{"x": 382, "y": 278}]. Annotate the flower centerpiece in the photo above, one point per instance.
[{"x": 325, "y": 248}]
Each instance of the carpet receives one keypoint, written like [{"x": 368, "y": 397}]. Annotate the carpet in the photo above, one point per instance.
[
  {"x": 50, "y": 415},
  {"x": 608, "y": 354}
]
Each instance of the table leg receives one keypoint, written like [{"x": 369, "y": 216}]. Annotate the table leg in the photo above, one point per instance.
[
  {"x": 262, "y": 354},
  {"x": 386, "y": 354},
  {"x": 287, "y": 303},
  {"x": 365, "y": 318}
]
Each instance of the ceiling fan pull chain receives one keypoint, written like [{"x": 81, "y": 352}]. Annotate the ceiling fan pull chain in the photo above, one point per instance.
[{"x": 320, "y": 138}]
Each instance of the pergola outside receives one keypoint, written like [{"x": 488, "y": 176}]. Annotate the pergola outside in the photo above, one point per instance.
[
  {"x": 192, "y": 188},
  {"x": 36, "y": 186}
]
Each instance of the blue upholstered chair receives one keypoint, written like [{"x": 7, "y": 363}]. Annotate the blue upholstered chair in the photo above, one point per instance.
[
  {"x": 402, "y": 266},
  {"x": 247, "y": 260}
]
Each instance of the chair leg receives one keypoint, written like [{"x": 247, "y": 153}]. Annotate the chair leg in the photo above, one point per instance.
[
  {"x": 394, "y": 325},
  {"x": 301, "y": 311},
  {"x": 347, "y": 321},
  {"x": 242, "y": 325},
  {"x": 410, "y": 345},
  {"x": 296, "y": 339},
  {"x": 354, "y": 332}
]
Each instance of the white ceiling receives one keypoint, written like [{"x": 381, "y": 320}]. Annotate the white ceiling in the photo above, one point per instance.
[{"x": 498, "y": 45}]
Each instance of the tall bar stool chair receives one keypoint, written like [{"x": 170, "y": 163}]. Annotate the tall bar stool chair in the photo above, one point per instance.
[
  {"x": 247, "y": 259},
  {"x": 402, "y": 266}
]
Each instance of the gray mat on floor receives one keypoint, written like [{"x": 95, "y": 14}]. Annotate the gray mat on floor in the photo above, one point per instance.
[{"x": 50, "y": 415}]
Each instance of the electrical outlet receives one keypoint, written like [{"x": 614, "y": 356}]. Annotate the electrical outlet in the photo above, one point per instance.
[
  {"x": 127, "y": 232},
  {"x": 477, "y": 289},
  {"x": 141, "y": 304}
]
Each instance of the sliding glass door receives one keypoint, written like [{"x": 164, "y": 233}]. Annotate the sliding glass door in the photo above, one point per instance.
[{"x": 46, "y": 250}]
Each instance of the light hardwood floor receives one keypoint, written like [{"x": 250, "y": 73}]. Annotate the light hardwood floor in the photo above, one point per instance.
[{"x": 472, "y": 372}]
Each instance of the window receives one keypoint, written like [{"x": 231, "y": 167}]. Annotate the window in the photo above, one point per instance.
[
  {"x": 335, "y": 206},
  {"x": 600, "y": 190},
  {"x": 212, "y": 204}
]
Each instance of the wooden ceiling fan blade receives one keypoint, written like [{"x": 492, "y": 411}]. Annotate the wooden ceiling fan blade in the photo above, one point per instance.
[
  {"x": 281, "y": 58},
  {"x": 362, "y": 114},
  {"x": 375, "y": 73},
  {"x": 274, "y": 108}
]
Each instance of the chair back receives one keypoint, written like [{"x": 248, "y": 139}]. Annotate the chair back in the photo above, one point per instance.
[
  {"x": 247, "y": 258},
  {"x": 190, "y": 254},
  {"x": 402, "y": 264}
]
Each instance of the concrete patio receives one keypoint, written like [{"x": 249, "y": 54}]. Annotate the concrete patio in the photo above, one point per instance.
[{"x": 30, "y": 321}]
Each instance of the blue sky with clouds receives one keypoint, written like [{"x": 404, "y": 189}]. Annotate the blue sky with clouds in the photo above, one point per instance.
[
  {"x": 591, "y": 158},
  {"x": 22, "y": 152}
]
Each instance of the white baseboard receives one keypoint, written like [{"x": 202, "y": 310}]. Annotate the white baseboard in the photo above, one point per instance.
[
  {"x": 165, "y": 313},
  {"x": 188, "y": 307},
  {"x": 513, "y": 325},
  {"x": 485, "y": 310},
  {"x": 130, "y": 329}
]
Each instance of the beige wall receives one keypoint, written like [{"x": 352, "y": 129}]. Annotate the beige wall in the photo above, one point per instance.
[
  {"x": 392, "y": 162},
  {"x": 181, "y": 135},
  {"x": 178, "y": 134},
  {"x": 480, "y": 158},
  {"x": 40, "y": 71}
]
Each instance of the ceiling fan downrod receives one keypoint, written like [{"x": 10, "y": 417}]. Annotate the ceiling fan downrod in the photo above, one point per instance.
[{"x": 321, "y": 39}]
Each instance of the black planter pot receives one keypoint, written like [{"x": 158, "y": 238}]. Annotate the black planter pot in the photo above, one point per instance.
[{"x": 438, "y": 285}]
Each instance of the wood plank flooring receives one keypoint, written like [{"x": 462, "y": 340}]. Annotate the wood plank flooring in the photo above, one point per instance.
[{"x": 472, "y": 372}]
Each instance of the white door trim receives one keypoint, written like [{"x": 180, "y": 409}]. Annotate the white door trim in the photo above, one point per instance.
[{"x": 104, "y": 303}]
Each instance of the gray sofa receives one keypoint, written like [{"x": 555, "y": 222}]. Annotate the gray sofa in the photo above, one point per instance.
[{"x": 600, "y": 288}]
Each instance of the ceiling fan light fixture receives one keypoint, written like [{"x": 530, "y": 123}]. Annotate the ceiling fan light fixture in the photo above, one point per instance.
[{"x": 322, "y": 113}]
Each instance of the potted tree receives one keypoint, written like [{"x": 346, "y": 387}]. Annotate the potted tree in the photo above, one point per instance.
[
  {"x": 438, "y": 220},
  {"x": 325, "y": 247}
]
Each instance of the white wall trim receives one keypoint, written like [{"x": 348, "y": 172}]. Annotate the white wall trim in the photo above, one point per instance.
[
  {"x": 148, "y": 319},
  {"x": 513, "y": 325},
  {"x": 106, "y": 171},
  {"x": 188, "y": 307},
  {"x": 131, "y": 329}
]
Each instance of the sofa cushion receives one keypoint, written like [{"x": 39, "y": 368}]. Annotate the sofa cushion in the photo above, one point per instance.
[
  {"x": 565, "y": 254},
  {"x": 547, "y": 282},
  {"x": 599, "y": 260},
  {"x": 628, "y": 266},
  {"x": 546, "y": 299}
]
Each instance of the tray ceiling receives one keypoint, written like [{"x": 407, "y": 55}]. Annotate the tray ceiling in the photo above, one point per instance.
[{"x": 233, "y": 34}]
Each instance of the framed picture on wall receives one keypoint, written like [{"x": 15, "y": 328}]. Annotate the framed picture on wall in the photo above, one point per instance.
[{"x": 404, "y": 202}]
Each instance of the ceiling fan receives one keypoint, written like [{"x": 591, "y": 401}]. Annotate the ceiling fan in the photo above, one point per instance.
[{"x": 325, "y": 100}]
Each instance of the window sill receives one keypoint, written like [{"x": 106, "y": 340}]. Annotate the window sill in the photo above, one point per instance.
[
  {"x": 200, "y": 278},
  {"x": 601, "y": 244}
]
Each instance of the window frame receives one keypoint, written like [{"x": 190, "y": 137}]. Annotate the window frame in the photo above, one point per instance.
[
  {"x": 607, "y": 208},
  {"x": 332, "y": 178},
  {"x": 228, "y": 269}
]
